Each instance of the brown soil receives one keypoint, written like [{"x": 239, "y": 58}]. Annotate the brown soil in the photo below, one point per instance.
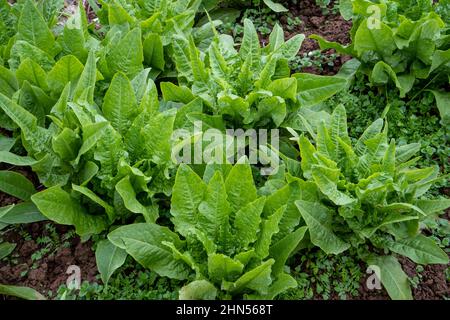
[
  {"x": 433, "y": 284},
  {"x": 49, "y": 272},
  {"x": 331, "y": 27}
]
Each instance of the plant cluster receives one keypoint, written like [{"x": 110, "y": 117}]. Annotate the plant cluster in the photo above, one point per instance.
[{"x": 398, "y": 46}]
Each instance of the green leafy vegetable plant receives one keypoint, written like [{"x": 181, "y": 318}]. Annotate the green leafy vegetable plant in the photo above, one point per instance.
[
  {"x": 370, "y": 194},
  {"x": 158, "y": 22},
  {"x": 251, "y": 87},
  {"x": 405, "y": 50},
  {"x": 99, "y": 163},
  {"x": 228, "y": 242}
]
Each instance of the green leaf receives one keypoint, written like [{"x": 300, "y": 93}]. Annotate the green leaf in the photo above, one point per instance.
[
  {"x": 33, "y": 73},
  {"x": 119, "y": 104},
  {"x": 433, "y": 206},
  {"x": 8, "y": 82},
  {"x": 188, "y": 192},
  {"x": 24, "y": 212},
  {"x": 143, "y": 241},
  {"x": 307, "y": 151},
  {"x": 91, "y": 134},
  {"x": 11, "y": 158},
  {"x": 250, "y": 44},
  {"x": 21, "y": 292},
  {"x": 290, "y": 48},
  {"x": 269, "y": 227},
  {"x": 128, "y": 195},
  {"x": 86, "y": 84},
  {"x": 419, "y": 249},
  {"x": 67, "y": 69},
  {"x": 382, "y": 72},
  {"x": 6, "y": 143},
  {"x": 161, "y": 125},
  {"x": 127, "y": 56},
  {"x": 380, "y": 39},
  {"x": 118, "y": 15},
  {"x": 33, "y": 28},
  {"x": 96, "y": 199},
  {"x": 240, "y": 187},
  {"x": 22, "y": 50},
  {"x": 66, "y": 144},
  {"x": 109, "y": 258},
  {"x": 258, "y": 279},
  {"x": 392, "y": 277},
  {"x": 6, "y": 248},
  {"x": 325, "y": 44},
  {"x": 285, "y": 88},
  {"x": 24, "y": 119},
  {"x": 319, "y": 221},
  {"x": 153, "y": 51},
  {"x": 338, "y": 130},
  {"x": 346, "y": 9},
  {"x": 172, "y": 92},
  {"x": 214, "y": 209},
  {"x": 370, "y": 132},
  {"x": 198, "y": 290},
  {"x": 327, "y": 179},
  {"x": 313, "y": 89},
  {"x": 222, "y": 267},
  {"x": 17, "y": 185},
  {"x": 390, "y": 219},
  {"x": 280, "y": 285},
  {"x": 443, "y": 104},
  {"x": 247, "y": 221},
  {"x": 281, "y": 250},
  {"x": 58, "y": 206},
  {"x": 274, "y": 6}
]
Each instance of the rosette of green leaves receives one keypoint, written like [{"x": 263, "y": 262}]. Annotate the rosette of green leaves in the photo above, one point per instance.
[
  {"x": 370, "y": 193},
  {"x": 399, "y": 50},
  {"x": 16, "y": 16},
  {"x": 251, "y": 87},
  {"x": 100, "y": 163},
  {"x": 224, "y": 239},
  {"x": 39, "y": 64},
  {"x": 158, "y": 22}
]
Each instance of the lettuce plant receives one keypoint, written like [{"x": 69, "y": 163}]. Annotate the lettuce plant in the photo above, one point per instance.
[
  {"x": 100, "y": 163},
  {"x": 38, "y": 64},
  {"x": 398, "y": 49},
  {"x": 223, "y": 243},
  {"x": 10, "y": 19},
  {"x": 158, "y": 22},
  {"x": 370, "y": 194},
  {"x": 251, "y": 87}
]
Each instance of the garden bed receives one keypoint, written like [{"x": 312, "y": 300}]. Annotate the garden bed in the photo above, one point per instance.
[{"x": 44, "y": 250}]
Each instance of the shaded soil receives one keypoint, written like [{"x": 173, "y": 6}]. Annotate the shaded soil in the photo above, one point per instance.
[
  {"x": 49, "y": 272},
  {"x": 331, "y": 27}
]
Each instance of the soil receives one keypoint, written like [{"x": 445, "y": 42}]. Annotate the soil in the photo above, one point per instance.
[
  {"x": 49, "y": 272},
  {"x": 332, "y": 27}
]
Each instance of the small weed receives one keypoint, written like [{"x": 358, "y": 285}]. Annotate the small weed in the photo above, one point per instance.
[
  {"x": 315, "y": 59},
  {"x": 325, "y": 276}
]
